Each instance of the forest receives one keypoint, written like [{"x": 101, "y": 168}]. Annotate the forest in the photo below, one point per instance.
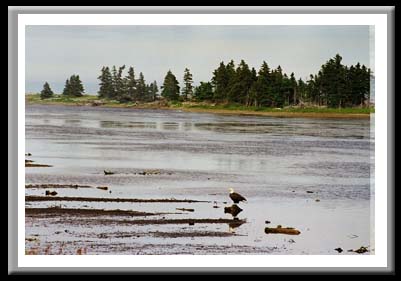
[{"x": 335, "y": 85}]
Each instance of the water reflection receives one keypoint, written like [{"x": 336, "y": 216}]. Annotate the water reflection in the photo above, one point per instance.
[
  {"x": 234, "y": 210},
  {"x": 235, "y": 224},
  {"x": 120, "y": 124}
]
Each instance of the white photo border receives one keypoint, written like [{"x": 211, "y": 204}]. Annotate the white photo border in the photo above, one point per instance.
[{"x": 378, "y": 259}]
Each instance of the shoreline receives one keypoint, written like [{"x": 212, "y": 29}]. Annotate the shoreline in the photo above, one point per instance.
[{"x": 284, "y": 113}]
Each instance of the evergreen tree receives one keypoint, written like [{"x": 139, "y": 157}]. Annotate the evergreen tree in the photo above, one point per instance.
[
  {"x": 127, "y": 85},
  {"x": 187, "y": 90},
  {"x": 46, "y": 92},
  {"x": 241, "y": 84},
  {"x": 153, "y": 90},
  {"x": 73, "y": 87},
  {"x": 170, "y": 87},
  {"x": 204, "y": 92},
  {"x": 119, "y": 83},
  {"x": 301, "y": 93},
  {"x": 106, "y": 83},
  {"x": 67, "y": 88},
  {"x": 77, "y": 88},
  {"x": 220, "y": 82},
  {"x": 294, "y": 88},
  {"x": 141, "y": 88},
  {"x": 261, "y": 89},
  {"x": 278, "y": 98}
]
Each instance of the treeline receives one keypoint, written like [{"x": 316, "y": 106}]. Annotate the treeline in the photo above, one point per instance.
[
  {"x": 73, "y": 88},
  {"x": 113, "y": 85},
  {"x": 335, "y": 85}
]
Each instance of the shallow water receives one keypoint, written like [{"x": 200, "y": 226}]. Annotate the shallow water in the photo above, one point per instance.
[{"x": 271, "y": 161}]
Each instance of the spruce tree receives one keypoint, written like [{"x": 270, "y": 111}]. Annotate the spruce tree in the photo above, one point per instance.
[
  {"x": 106, "y": 83},
  {"x": 187, "y": 90},
  {"x": 130, "y": 85},
  {"x": 46, "y": 92},
  {"x": 141, "y": 89},
  {"x": 170, "y": 87},
  {"x": 67, "y": 88}
]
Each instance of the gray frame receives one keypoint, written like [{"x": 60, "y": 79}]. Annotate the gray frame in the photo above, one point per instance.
[{"x": 13, "y": 130}]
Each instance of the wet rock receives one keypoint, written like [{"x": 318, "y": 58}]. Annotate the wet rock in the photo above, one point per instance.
[
  {"x": 309, "y": 191},
  {"x": 282, "y": 230},
  {"x": 291, "y": 241},
  {"x": 29, "y": 164},
  {"x": 149, "y": 172},
  {"x": 108, "y": 172},
  {"x": 317, "y": 200},
  {"x": 96, "y": 103},
  {"x": 52, "y": 193},
  {"x": 102, "y": 187},
  {"x": 31, "y": 239},
  {"x": 361, "y": 250},
  {"x": 28, "y": 154},
  {"x": 185, "y": 210},
  {"x": 234, "y": 210},
  {"x": 338, "y": 250},
  {"x": 267, "y": 222},
  {"x": 191, "y": 223}
]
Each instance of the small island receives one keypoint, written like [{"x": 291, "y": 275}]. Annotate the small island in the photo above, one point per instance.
[{"x": 337, "y": 91}]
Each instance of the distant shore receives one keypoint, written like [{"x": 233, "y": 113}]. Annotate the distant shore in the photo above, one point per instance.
[{"x": 303, "y": 112}]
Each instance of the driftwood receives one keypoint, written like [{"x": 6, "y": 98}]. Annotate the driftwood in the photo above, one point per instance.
[{"x": 282, "y": 230}]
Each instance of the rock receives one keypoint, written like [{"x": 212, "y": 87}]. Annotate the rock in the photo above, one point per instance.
[
  {"x": 267, "y": 222},
  {"x": 108, "y": 172},
  {"x": 52, "y": 193},
  {"x": 184, "y": 209},
  {"x": 102, "y": 187},
  {"x": 281, "y": 230},
  {"x": 191, "y": 223},
  {"x": 234, "y": 210},
  {"x": 361, "y": 250},
  {"x": 28, "y": 154},
  {"x": 317, "y": 200},
  {"x": 96, "y": 103},
  {"x": 150, "y": 172},
  {"x": 338, "y": 250},
  {"x": 291, "y": 241},
  {"x": 309, "y": 191}
]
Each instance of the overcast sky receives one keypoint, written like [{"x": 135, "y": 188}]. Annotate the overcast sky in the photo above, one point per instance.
[{"x": 53, "y": 53}]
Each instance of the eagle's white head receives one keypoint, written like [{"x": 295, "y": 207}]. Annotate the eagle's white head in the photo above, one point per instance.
[{"x": 231, "y": 190}]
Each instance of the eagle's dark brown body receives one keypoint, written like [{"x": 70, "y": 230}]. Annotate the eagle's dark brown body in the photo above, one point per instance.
[{"x": 237, "y": 197}]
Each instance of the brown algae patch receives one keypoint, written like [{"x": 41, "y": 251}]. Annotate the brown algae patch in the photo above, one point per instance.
[
  {"x": 98, "y": 199},
  {"x": 49, "y": 185},
  {"x": 29, "y": 164},
  {"x": 57, "y": 211}
]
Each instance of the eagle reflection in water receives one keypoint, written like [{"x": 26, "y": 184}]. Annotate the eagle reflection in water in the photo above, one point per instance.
[{"x": 234, "y": 210}]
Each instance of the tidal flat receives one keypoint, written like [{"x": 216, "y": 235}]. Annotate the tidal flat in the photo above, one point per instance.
[{"x": 311, "y": 174}]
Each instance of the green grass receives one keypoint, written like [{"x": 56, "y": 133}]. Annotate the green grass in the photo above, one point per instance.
[
  {"x": 35, "y": 98},
  {"x": 64, "y": 100},
  {"x": 234, "y": 107}
]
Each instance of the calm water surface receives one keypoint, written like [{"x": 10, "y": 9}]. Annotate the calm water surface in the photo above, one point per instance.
[{"x": 271, "y": 161}]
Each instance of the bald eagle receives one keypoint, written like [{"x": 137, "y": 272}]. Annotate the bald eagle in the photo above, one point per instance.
[{"x": 236, "y": 197}]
